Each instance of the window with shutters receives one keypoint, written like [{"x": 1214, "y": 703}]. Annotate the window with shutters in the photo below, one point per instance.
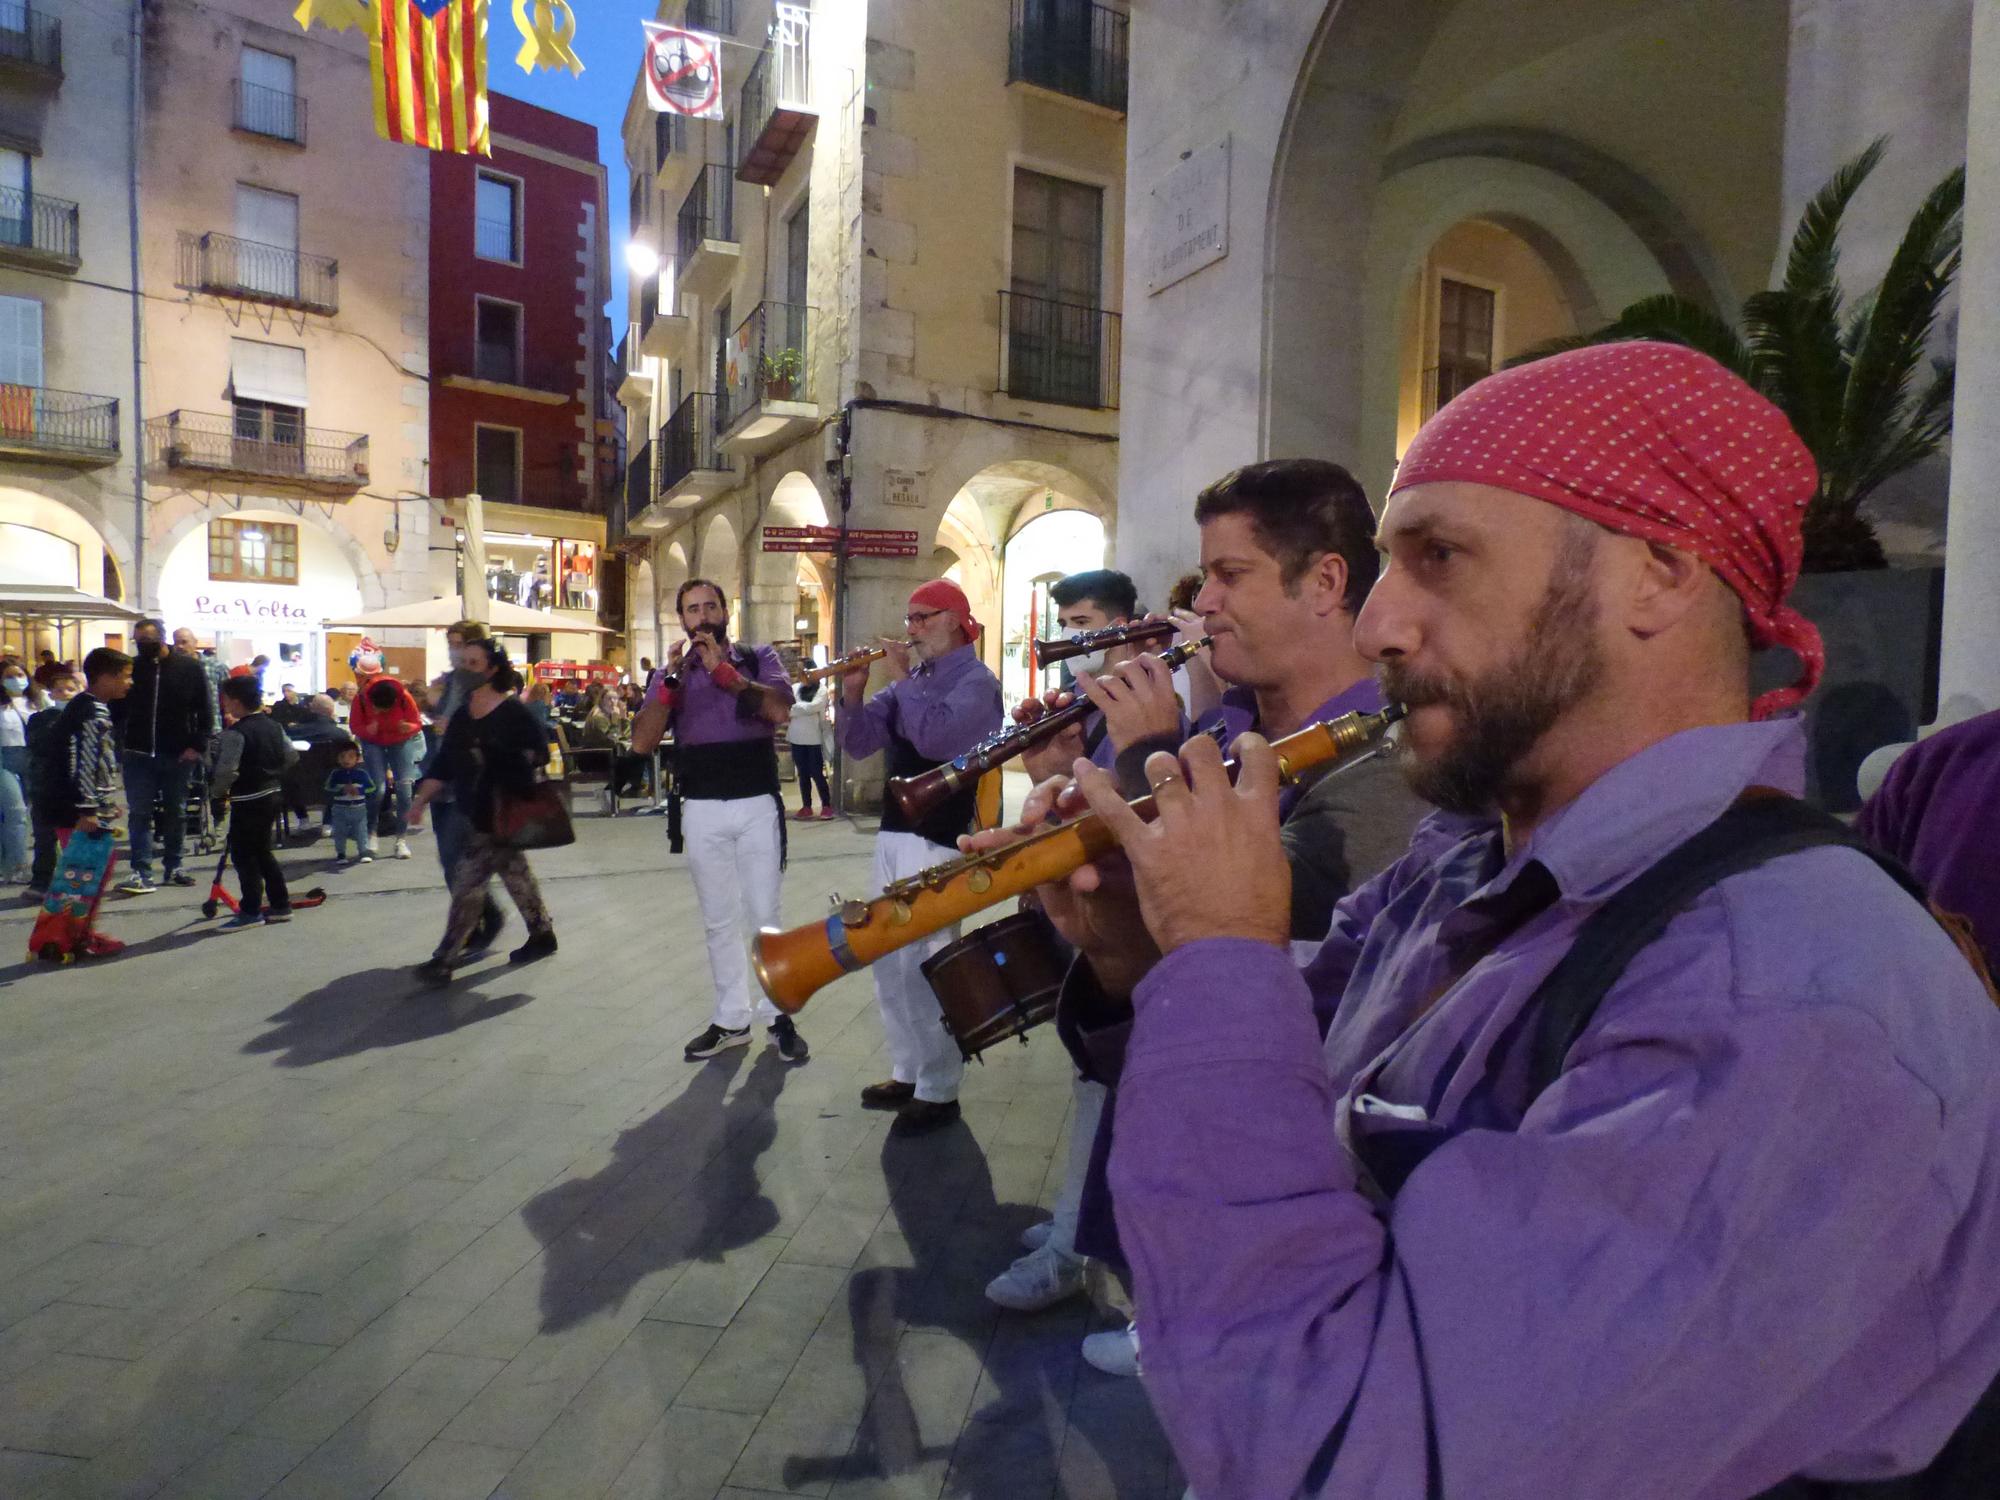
[
  {"x": 267, "y": 225},
  {"x": 268, "y": 96},
  {"x": 1054, "y": 331},
  {"x": 497, "y": 463},
  {"x": 497, "y": 218},
  {"x": 1465, "y": 327},
  {"x": 241, "y": 551},
  {"x": 17, "y": 198},
  {"x": 496, "y": 353},
  {"x": 20, "y": 341}
]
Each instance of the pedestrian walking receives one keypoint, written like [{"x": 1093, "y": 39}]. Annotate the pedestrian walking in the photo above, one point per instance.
[
  {"x": 806, "y": 736},
  {"x": 77, "y": 785},
  {"x": 492, "y": 748},
  {"x": 390, "y": 727},
  {"x": 20, "y": 698},
  {"x": 449, "y": 826},
  {"x": 349, "y": 792},
  {"x": 164, "y": 727},
  {"x": 250, "y": 766}
]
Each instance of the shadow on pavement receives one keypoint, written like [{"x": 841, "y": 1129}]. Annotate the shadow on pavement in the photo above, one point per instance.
[
  {"x": 682, "y": 1185},
  {"x": 370, "y": 1009},
  {"x": 959, "y": 1235}
]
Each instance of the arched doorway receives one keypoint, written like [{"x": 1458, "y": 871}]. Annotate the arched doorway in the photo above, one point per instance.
[
  {"x": 1049, "y": 547},
  {"x": 644, "y": 603},
  {"x": 720, "y": 560},
  {"x": 44, "y": 543},
  {"x": 673, "y": 572},
  {"x": 791, "y": 592},
  {"x": 264, "y": 583}
]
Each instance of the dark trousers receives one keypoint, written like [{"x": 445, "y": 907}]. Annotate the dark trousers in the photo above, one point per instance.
[
  {"x": 251, "y": 826},
  {"x": 150, "y": 781},
  {"x": 452, "y": 832},
  {"x": 811, "y": 763}
]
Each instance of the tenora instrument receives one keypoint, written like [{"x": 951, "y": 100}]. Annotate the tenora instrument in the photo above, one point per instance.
[
  {"x": 854, "y": 661},
  {"x": 794, "y": 965},
  {"x": 1048, "y": 653}
]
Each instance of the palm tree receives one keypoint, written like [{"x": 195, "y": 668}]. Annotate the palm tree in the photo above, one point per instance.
[{"x": 1846, "y": 377}]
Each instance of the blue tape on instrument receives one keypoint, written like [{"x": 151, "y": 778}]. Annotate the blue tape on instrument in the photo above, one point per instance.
[{"x": 836, "y": 939}]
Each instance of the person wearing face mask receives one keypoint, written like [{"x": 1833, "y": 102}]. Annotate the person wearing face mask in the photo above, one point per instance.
[
  {"x": 165, "y": 725},
  {"x": 450, "y": 828},
  {"x": 20, "y": 698},
  {"x": 941, "y": 701}
]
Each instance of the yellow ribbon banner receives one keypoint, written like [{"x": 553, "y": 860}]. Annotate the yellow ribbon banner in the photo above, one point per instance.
[
  {"x": 334, "y": 15},
  {"x": 545, "y": 38}
]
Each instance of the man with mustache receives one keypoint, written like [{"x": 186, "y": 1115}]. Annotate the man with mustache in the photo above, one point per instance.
[
  {"x": 723, "y": 703},
  {"x": 1718, "y": 1218}
]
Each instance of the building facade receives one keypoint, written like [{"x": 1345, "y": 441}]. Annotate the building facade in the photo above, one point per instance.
[
  {"x": 285, "y": 251},
  {"x": 519, "y": 273},
  {"x": 70, "y": 514},
  {"x": 890, "y": 276},
  {"x": 1409, "y": 192}
]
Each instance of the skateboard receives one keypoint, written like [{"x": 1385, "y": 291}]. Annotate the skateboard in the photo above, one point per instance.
[{"x": 62, "y": 931}]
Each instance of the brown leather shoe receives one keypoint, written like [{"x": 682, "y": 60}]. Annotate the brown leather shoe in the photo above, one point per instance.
[
  {"x": 890, "y": 1095},
  {"x": 921, "y": 1116}
]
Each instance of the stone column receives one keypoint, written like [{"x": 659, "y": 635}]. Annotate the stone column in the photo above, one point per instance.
[{"x": 1970, "y": 668}]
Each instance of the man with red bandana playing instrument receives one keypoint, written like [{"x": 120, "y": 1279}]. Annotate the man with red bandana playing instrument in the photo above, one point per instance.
[
  {"x": 1710, "y": 1214},
  {"x": 941, "y": 702}
]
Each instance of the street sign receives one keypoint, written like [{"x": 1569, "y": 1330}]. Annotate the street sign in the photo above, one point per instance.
[
  {"x": 861, "y": 541},
  {"x": 1188, "y": 217},
  {"x": 902, "y": 488},
  {"x": 683, "y": 71}
]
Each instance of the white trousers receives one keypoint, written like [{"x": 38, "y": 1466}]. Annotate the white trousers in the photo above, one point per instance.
[
  {"x": 732, "y": 850},
  {"x": 1089, "y": 1098},
  {"x": 921, "y": 1051}
]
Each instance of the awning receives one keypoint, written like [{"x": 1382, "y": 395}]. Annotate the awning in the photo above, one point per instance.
[
  {"x": 502, "y": 618},
  {"x": 267, "y": 372},
  {"x": 35, "y": 601}
]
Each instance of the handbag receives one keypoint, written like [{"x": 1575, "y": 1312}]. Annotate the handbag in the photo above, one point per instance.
[{"x": 534, "y": 819}]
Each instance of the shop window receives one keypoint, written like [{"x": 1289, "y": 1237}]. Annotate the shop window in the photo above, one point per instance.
[
  {"x": 497, "y": 219},
  {"x": 576, "y": 574},
  {"x": 496, "y": 353},
  {"x": 497, "y": 463},
  {"x": 1466, "y": 317},
  {"x": 253, "y": 551}
]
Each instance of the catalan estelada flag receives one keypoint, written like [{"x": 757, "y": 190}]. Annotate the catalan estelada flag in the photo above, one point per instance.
[{"x": 429, "y": 61}]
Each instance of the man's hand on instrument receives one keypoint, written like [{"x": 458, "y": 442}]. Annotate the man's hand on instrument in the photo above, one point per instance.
[
  {"x": 675, "y": 654},
  {"x": 1137, "y": 700},
  {"x": 709, "y": 650},
  {"x": 1210, "y": 864},
  {"x": 1096, "y": 908},
  {"x": 898, "y": 657}
]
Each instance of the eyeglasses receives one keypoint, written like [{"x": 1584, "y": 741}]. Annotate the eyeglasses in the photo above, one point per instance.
[{"x": 916, "y": 620}]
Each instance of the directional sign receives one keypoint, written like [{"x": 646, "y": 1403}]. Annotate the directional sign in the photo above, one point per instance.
[
  {"x": 683, "y": 71},
  {"x": 861, "y": 541}
]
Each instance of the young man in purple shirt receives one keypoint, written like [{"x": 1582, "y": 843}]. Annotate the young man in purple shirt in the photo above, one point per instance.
[
  {"x": 724, "y": 702},
  {"x": 941, "y": 702},
  {"x": 1742, "y": 1240}
]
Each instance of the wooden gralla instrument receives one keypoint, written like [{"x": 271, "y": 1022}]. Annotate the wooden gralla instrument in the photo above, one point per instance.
[
  {"x": 918, "y": 795},
  {"x": 854, "y": 661},
  {"x": 794, "y": 965},
  {"x": 1048, "y": 653}
]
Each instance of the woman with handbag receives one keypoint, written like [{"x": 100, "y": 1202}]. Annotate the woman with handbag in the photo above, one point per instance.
[{"x": 491, "y": 757}]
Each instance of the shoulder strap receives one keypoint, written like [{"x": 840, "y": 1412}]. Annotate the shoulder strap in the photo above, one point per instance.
[{"x": 1755, "y": 831}]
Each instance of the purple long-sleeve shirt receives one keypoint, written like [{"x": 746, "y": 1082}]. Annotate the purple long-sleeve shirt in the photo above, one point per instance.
[
  {"x": 1751, "y": 1231},
  {"x": 943, "y": 708},
  {"x": 1938, "y": 811},
  {"x": 708, "y": 714}
]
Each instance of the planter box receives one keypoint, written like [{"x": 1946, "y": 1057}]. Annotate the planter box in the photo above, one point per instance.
[{"x": 1882, "y": 632}]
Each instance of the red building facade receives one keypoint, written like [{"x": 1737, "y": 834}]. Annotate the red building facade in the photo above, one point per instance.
[{"x": 518, "y": 276}]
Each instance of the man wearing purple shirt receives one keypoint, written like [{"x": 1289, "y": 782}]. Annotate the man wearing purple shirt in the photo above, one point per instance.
[
  {"x": 1744, "y": 1242},
  {"x": 724, "y": 703},
  {"x": 943, "y": 701}
]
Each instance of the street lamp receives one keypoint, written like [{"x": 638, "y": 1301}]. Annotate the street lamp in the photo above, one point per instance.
[{"x": 641, "y": 258}]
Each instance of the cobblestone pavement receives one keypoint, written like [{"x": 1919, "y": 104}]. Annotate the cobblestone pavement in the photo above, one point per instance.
[{"x": 275, "y": 1221}]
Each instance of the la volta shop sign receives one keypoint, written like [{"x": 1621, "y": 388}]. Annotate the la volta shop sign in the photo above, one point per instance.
[{"x": 246, "y": 608}]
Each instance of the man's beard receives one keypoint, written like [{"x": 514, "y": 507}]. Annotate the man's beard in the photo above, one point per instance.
[{"x": 1500, "y": 716}]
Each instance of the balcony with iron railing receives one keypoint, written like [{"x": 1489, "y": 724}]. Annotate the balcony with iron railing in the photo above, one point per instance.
[
  {"x": 766, "y": 394},
  {"x": 226, "y": 266},
  {"x": 1061, "y": 352},
  {"x": 635, "y": 381},
  {"x": 37, "y": 230},
  {"x": 271, "y": 113},
  {"x": 638, "y": 489},
  {"x": 663, "y": 331},
  {"x": 693, "y": 465},
  {"x": 1075, "y": 48},
  {"x": 776, "y": 115},
  {"x": 30, "y": 43},
  {"x": 217, "y": 443},
  {"x": 707, "y": 253},
  {"x": 66, "y": 426}
]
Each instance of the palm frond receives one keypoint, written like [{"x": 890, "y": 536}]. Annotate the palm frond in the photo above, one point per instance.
[
  {"x": 1800, "y": 365},
  {"x": 1667, "y": 317},
  {"x": 1857, "y": 322},
  {"x": 1813, "y": 266},
  {"x": 1921, "y": 434},
  {"x": 1906, "y": 307}
]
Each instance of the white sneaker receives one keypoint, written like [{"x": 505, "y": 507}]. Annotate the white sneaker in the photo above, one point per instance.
[
  {"x": 402, "y": 849},
  {"x": 1038, "y": 1280},
  {"x": 1115, "y": 1352},
  {"x": 1037, "y": 1235}
]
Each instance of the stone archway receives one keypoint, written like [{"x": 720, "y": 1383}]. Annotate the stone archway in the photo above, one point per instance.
[
  {"x": 373, "y": 594},
  {"x": 671, "y": 571},
  {"x": 643, "y": 600},
  {"x": 777, "y": 579},
  {"x": 719, "y": 558}
]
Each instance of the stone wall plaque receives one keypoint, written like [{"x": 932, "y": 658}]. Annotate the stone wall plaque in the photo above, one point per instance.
[{"x": 1188, "y": 222}]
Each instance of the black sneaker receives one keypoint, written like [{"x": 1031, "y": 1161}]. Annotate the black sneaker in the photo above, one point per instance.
[
  {"x": 179, "y": 877},
  {"x": 785, "y": 1037},
  {"x": 539, "y": 945},
  {"x": 433, "y": 971},
  {"x": 716, "y": 1039}
]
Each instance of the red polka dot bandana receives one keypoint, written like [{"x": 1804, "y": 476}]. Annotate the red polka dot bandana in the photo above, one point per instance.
[{"x": 1655, "y": 441}]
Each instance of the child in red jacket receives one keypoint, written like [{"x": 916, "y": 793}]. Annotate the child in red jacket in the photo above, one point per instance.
[{"x": 386, "y": 720}]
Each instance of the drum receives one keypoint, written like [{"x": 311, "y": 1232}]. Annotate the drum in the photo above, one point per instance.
[{"x": 998, "y": 980}]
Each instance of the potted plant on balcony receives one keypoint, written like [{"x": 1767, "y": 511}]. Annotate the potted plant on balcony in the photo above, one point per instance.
[
  {"x": 781, "y": 373},
  {"x": 1847, "y": 377}
]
